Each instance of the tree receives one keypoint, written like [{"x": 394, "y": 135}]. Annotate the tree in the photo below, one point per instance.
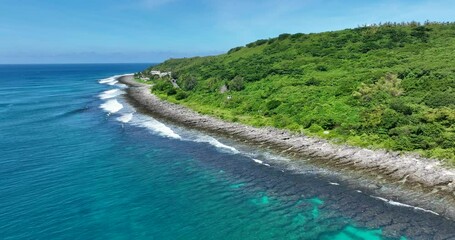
[
  {"x": 189, "y": 83},
  {"x": 284, "y": 36},
  {"x": 421, "y": 33},
  {"x": 181, "y": 95},
  {"x": 387, "y": 86},
  {"x": 236, "y": 84},
  {"x": 273, "y": 104}
]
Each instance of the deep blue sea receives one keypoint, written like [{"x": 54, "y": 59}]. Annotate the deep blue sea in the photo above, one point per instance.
[{"x": 77, "y": 161}]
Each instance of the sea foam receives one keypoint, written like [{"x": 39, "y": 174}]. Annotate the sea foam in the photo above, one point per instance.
[
  {"x": 157, "y": 127},
  {"x": 212, "y": 141},
  {"x": 394, "y": 203},
  {"x": 125, "y": 117},
  {"x": 257, "y": 160},
  {"x": 110, "y": 93},
  {"x": 110, "y": 80},
  {"x": 261, "y": 162},
  {"x": 111, "y": 106}
]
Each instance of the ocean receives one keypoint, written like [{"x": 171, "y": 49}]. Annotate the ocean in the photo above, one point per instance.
[{"x": 78, "y": 161}]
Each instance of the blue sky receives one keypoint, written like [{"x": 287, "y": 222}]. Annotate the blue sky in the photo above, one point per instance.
[{"x": 75, "y": 31}]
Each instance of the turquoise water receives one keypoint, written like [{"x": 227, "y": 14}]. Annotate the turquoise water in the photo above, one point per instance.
[{"x": 78, "y": 162}]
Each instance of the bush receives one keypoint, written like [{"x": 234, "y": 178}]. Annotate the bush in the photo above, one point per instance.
[
  {"x": 312, "y": 82},
  {"x": 271, "y": 40},
  {"x": 314, "y": 128},
  {"x": 321, "y": 68},
  {"x": 327, "y": 123},
  {"x": 273, "y": 104},
  {"x": 281, "y": 121},
  {"x": 236, "y": 84},
  {"x": 420, "y": 33},
  {"x": 181, "y": 95},
  {"x": 390, "y": 119},
  {"x": 189, "y": 83},
  {"x": 297, "y": 36},
  {"x": 260, "y": 42},
  {"x": 250, "y": 45},
  {"x": 385, "y": 88},
  {"x": 236, "y": 49},
  {"x": 401, "y": 107},
  {"x": 171, "y": 91},
  {"x": 163, "y": 85},
  {"x": 440, "y": 99},
  {"x": 284, "y": 36}
]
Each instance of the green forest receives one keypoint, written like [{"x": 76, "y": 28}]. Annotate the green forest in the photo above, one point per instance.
[{"x": 385, "y": 86}]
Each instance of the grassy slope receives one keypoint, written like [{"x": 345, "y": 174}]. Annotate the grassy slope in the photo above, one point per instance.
[{"x": 389, "y": 86}]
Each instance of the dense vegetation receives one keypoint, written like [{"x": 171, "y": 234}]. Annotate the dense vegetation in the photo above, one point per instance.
[{"x": 386, "y": 86}]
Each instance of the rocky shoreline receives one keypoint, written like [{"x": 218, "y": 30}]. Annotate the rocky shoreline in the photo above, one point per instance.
[{"x": 426, "y": 174}]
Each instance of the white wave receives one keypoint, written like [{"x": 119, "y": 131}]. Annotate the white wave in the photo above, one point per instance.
[
  {"x": 158, "y": 127},
  {"x": 334, "y": 183},
  {"x": 394, "y": 203},
  {"x": 105, "y": 80},
  {"x": 212, "y": 141},
  {"x": 109, "y": 80},
  {"x": 112, "y": 83},
  {"x": 258, "y": 161},
  {"x": 112, "y": 80},
  {"x": 271, "y": 156},
  {"x": 121, "y": 85},
  {"x": 426, "y": 210},
  {"x": 110, "y": 93},
  {"x": 125, "y": 117},
  {"x": 111, "y": 106},
  {"x": 391, "y": 202},
  {"x": 380, "y": 198},
  {"x": 261, "y": 162}
]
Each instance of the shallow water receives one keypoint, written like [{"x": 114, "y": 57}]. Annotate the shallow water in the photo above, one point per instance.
[{"x": 78, "y": 162}]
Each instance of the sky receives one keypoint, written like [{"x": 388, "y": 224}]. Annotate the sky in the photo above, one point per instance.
[{"x": 151, "y": 31}]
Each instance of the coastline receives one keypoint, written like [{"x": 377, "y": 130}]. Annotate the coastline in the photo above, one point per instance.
[{"x": 427, "y": 175}]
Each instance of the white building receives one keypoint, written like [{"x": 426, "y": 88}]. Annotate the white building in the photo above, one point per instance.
[{"x": 161, "y": 74}]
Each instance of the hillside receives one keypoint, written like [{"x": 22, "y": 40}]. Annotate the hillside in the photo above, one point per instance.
[{"x": 388, "y": 86}]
